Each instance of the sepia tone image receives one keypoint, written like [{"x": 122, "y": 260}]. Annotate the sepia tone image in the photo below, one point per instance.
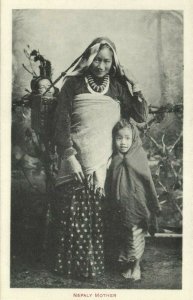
[{"x": 97, "y": 149}]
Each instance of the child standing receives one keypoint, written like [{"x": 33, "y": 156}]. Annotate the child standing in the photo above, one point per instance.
[{"x": 132, "y": 197}]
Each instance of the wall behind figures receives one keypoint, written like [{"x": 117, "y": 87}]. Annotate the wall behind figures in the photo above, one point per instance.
[{"x": 149, "y": 43}]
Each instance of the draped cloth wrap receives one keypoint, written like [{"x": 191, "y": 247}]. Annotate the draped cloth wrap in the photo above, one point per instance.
[
  {"x": 92, "y": 120},
  {"x": 130, "y": 187}
]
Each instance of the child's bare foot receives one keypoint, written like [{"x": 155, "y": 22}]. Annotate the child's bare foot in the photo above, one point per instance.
[
  {"x": 136, "y": 274},
  {"x": 127, "y": 274}
]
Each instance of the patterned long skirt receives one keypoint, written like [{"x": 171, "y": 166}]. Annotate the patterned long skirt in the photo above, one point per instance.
[{"x": 79, "y": 232}]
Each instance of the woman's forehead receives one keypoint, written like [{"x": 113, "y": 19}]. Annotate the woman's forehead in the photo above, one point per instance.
[{"x": 105, "y": 53}]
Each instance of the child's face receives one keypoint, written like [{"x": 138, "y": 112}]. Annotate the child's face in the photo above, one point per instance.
[
  {"x": 43, "y": 85},
  {"x": 102, "y": 63},
  {"x": 123, "y": 140}
]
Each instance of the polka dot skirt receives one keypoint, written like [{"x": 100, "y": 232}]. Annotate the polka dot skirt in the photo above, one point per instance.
[{"x": 79, "y": 230}]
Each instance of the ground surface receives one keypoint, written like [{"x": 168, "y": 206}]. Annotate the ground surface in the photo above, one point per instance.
[{"x": 161, "y": 269}]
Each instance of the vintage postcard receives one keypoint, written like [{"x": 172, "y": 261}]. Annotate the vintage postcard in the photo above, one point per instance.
[{"x": 96, "y": 150}]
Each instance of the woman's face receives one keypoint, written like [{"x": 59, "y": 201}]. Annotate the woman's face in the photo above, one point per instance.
[
  {"x": 123, "y": 140},
  {"x": 102, "y": 63}
]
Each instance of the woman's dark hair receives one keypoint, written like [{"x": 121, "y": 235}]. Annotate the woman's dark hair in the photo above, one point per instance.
[
  {"x": 87, "y": 52},
  {"x": 99, "y": 39}
]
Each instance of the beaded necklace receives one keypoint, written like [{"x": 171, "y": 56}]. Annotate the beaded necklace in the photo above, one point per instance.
[{"x": 94, "y": 88}]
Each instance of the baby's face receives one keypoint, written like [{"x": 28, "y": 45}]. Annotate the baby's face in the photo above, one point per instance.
[
  {"x": 43, "y": 85},
  {"x": 123, "y": 140}
]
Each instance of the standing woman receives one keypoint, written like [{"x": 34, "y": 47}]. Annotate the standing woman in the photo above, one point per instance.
[{"x": 94, "y": 96}]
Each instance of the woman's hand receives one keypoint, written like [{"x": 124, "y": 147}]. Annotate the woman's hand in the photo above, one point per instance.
[
  {"x": 129, "y": 76},
  {"x": 76, "y": 168},
  {"x": 131, "y": 79}
]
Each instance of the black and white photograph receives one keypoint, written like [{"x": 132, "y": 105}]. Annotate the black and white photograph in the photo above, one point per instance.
[{"x": 96, "y": 156}]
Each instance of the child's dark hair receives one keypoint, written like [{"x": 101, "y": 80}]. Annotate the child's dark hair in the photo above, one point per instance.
[{"x": 120, "y": 125}]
